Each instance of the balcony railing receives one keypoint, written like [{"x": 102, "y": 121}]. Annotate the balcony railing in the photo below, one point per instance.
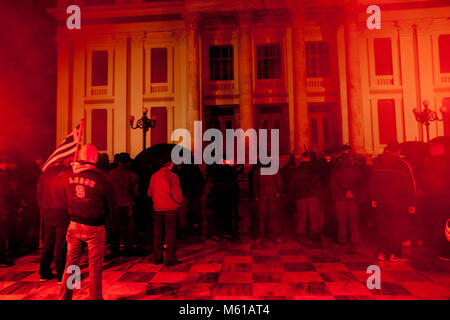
[
  {"x": 445, "y": 78},
  {"x": 162, "y": 88},
  {"x": 315, "y": 83},
  {"x": 384, "y": 81},
  {"x": 319, "y": 83},
  {"x": 99, "y": 91},
  {"x": 227, "y": 86}
]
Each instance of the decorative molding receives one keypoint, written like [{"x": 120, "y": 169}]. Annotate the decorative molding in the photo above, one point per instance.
[
  {"x": 120, "y": 39},
  {"x": 179, "y": 37},
  {"x": 297, "y": 18},
  {"x": 404, "y": 27},
  {"x": 120, "y": 36},
  {"x": 245, "y": 19},
  {"x": 424, "y": 25},
  {"x": 137, "y": 39},
  {"x": 192, "y": 20}
]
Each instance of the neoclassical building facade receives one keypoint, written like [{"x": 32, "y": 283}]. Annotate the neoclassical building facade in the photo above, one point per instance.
[{"x": 312, "y": 69}]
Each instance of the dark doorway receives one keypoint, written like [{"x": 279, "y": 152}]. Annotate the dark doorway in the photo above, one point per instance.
[
  {"x": 159, "y": 132},
  {"x": 324, "y": 127},
  {"x": 275, "y": 117},
  {"x": 221, "y": 118}
]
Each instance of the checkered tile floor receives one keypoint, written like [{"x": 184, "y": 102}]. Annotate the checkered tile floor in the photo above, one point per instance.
[{"x": 244, "y": 271}]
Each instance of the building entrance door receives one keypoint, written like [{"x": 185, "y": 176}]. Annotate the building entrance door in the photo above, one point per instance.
[
  {"x": 275, "y": 117},
  {"x": 159, "y": 132},
  {"x": 320, "y": 131},
  {"x": 224, "y": 122},
  {"x": 221, "y": 118}
]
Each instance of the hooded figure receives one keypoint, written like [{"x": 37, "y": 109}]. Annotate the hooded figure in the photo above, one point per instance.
[
  {"x": 5, "y": 195},
  {"x": 392, "y": 189},
  {"x": 89, "y": 198}
]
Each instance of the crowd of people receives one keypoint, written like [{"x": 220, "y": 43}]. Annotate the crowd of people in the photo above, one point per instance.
[{"x": 138, "y": 211}]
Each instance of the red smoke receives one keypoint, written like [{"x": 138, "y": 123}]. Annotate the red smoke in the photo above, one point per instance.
[{"x": 27, "y": 77}]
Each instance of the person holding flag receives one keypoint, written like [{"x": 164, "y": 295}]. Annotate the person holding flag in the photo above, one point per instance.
[
  {"x": 52, "y": 207},
  {"x": 89, "y": 198}
]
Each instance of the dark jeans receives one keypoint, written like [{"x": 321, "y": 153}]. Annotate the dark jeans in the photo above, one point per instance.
[
  {"x": 13, "y": 234},
  {"x": 391, "y": 225},
  {"x": 125, "y": 233},
  {"x": 308, "y": 208},
  {"x": 269, "y": 217},
  {"x": 347, "y": 213},
  {"x": 3, "y": 239},
  {"x": 194, "y": 214},
  {"x": 223, "y": 212},
  {"x": 54, "y": 245},
  {"x": 30, "y": 226},
  {"x": 95, "y": 238},
  {"x": 170, "y": 222}
]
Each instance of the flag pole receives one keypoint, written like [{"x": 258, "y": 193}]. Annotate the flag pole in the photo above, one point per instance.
[{"x": 75, "y": 156}]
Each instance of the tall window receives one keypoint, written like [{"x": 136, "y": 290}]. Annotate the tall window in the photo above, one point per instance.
[
  {"x": 383, "y": 56},
  {"x": 269, "y": 61},
  {"x": 159, "y": 132},
  {"x": 99, "y": 129},
  {"x": 221, "y": 63},
  {"x": 317, "y": 59},
  {"x": 158, "y": 64},
  {"x": 100, "y": 68},
  {"x": 386, "y": 121},
  {"x": 444, "y": 53},
  {"x": 446, "y": 105}
]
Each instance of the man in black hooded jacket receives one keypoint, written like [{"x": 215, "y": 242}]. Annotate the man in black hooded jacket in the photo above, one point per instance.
[
  {"x": 90, "y": 200},
  {"x": 392, "y": 188},
  {"x": 5, "y": 210}
]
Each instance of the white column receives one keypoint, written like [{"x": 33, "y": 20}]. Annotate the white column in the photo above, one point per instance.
[
  {"x": 425, "y": 68},
  {"x": 301, "y": 118},
  {"x": 62, "y": 91},
  {"x": 193, "y": 75},
  {"x": 79, "y": 83},
  {"x": 247, "y": 112},
  {"x": 121, "y": 123},
  {"x": 408, "y": 78},
  {"x": 136, "y": 90},
  {"x": 354, "y": 90}
]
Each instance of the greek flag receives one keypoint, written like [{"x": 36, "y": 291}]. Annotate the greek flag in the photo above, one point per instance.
[{"x": 66, "y": 149}]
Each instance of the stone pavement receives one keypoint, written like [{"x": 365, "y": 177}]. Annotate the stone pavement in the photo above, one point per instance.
[{"x": 244, "y": 270}]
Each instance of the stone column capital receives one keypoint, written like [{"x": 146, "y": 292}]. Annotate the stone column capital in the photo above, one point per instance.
[
  {"x": 244, "y": 19},
  {"x": 403, "y": 27},
  {"x": 120, "y": 36},
  {"x": 137, "y": 39},
  {"x": 178, "y": 36},
  {"x": 297, "y": 18},
  {"x": 120, "y": 39},
  {"x": 192, "y": 20},
  {"x": 424, "y": 25},
  {"x": 137, "y": 35}
]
